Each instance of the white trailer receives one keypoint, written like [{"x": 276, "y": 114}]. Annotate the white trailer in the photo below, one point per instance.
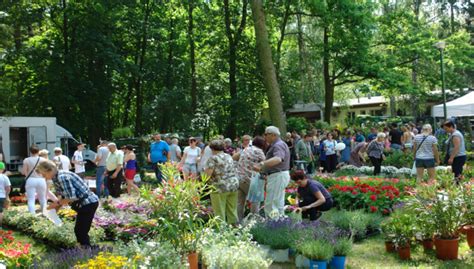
[{"x": 17, "y": 134}]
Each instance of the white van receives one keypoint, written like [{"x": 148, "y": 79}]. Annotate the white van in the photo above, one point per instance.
[{"x": 17, "y": 134}]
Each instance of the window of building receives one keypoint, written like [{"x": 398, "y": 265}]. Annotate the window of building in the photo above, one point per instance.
[
  {"x": 351, "y": 115},
  {"x": 362, "y": 112}
]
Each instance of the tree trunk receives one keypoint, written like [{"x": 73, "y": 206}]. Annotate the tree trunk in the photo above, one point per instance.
[
  {"x": 414, "y": 69},
  {"x": 393, "y": 106},
  {"x": 451, "y": 5},
  {"x": 233, "y": 40},
  {"x": 328, "y": 84},
  {"x": 282, "y": 37},
  {"x": 192, "y": 56},
  {"x": 268, "y": 69},
  {"x": 165, "y": 121},
  {"x": 138, "y": 82},
  {"x": 301, "y": 58}
]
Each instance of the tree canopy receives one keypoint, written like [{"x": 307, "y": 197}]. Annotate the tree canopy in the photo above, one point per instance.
[{"x": 199, "y": 66}]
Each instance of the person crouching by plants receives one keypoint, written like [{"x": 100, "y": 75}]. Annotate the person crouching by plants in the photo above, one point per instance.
[
  {"x": 312, "y": 197},
  {"x": 5, "y": 187},
  {"x": 220, "y": 169},
  {"x": 74, "y": 192},
  {"x": 375, "y": 152}
]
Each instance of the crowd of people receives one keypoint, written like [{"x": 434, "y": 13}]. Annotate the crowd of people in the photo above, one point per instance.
[
  {"x": 328, "y": 150},
  {"x": 245, "y": 174}
]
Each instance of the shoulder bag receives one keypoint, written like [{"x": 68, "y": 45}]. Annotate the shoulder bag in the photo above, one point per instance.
[
  {"x": 413, "y": 169},
  {"x": 23, "y": 185}
]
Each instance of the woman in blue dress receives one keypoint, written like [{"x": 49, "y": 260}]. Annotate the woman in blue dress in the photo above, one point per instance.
[{"x": 346, "y": 153}]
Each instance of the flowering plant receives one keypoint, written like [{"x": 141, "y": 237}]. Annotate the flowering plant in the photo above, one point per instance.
[
  {"x": 18, "y": 200},
  {"x": 177, "y": 207},
  {"x": 151, "y": 254},
  {"x": 228, "y": 247},
  {"x": 373, "y": 194},
  {"x": 104, "y": 260},
  {"x": 67, "y": 213},
  {"x": 13, "y": 253}
]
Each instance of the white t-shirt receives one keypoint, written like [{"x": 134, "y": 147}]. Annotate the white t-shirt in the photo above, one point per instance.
[
  {"x": 4, "y": 182},
  {"x": 78, "y": 167},
  {"x": 65, "y": 162},
  {"x": 192, "y": 154}
]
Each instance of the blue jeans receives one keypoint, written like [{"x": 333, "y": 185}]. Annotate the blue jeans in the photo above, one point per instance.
[
  {"x": 156, "y": 168},
  {"x": 396, "y": 146},
  {"x": 100, "y": 179}
]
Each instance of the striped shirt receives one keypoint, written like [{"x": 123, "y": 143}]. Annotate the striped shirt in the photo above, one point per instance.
[
  {"x": 72, "y": 187},
  {"x": 424, "y": 150}
]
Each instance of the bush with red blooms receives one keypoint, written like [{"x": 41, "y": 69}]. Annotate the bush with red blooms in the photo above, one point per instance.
[
  {"x": 372, "y": 194},
  {"x": 14, "y": 254}
]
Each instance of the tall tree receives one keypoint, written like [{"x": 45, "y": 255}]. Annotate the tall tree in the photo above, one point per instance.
[
  {"x": 233, "y": 39},
  {"x": 192, "y": 55},
  {"x": 268, "y": 69}
]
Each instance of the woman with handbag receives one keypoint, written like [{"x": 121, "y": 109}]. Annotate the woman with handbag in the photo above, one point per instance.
[
  {"x": 375, "y": 152},
  {"x": 35, "y": 184},
  {"x": 74, "y": 192},
  {"x": 246, "y": 159},
  {"x": 425, "y": 148}
]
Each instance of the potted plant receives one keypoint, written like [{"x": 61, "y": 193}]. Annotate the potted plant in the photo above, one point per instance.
[
  {"x": 318, "y": 251},
  {"x": 404, "y": 230},
  {"x": 444, "y": 203},
  {"x": 277, "y": 235},
  {"x": 389, "y": 235},
  {"x": 342, "y": 247},
  {"x": 177, "y": 207},
  {"x": 468, "y": 228}
]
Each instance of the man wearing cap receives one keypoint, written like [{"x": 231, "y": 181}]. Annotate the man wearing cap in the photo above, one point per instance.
[
  {"x": 78, "y": 161},
  {"x": 159, "y": 153},
  {"x": 114, "y": 164},
  {"x": 100, "y": 161},
  {"x": 276, "y": 166},
  {"x": 62, "y": 161}
]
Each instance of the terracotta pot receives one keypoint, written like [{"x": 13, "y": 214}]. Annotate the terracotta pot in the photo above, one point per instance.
[
  {"x": 428, "y": 244},
  {"x": 447, "y": 249},
  {"x": 470, "y": 237},
  {"x": 390, "y": 247},
  {"x": 404, "y": 252},
  {"x": 193, "y": 260}
]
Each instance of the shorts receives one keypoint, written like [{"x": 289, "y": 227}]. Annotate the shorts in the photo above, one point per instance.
[
  {"x": 395, "y": 146},
  {"x": 130, "y": 174},
  {"x": 425, "y": 163},
  {"x": 190, "y": 168},
  {"x": 2, "y": 203}
]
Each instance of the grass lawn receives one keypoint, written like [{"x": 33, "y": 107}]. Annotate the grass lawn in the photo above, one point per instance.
[{"x": 370, "y": 253}]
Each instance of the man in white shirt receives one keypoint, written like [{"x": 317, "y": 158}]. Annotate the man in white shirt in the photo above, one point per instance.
[
  {"x": 78, "y": 161},
  {"x": 62, "y": 161}
]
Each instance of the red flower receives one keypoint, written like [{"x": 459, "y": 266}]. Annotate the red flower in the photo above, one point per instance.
[
  {"x": 373, "y": 197},
  {"x": 385, "y": 211},
  {"x": 354, "y": 192},
  {"x": 373, "y": 209}
]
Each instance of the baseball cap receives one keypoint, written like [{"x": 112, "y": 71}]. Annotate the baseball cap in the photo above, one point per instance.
[{"x": 2, "y": 166}]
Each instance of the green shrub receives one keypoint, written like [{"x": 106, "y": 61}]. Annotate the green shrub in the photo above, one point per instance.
[
  {"x": 316, "y": 250},
  {"x": 297, "y": 123},
  {"x": 124, "y": 132},
  {"x": 398, "y": 159},
  {"x": 342, "y": 247}
]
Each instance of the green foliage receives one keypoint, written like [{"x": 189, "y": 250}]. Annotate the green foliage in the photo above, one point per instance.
[
  {"x": 342, "y": 247},
  {"x": 298, "y": 124},
  {"x": 398, "y": 159},
  {"x": 42, "y": 229},
  {"x": 321, "y": 125},
  {"x": 124, "y": 132},
  {"x": 316, "y": 250}
]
